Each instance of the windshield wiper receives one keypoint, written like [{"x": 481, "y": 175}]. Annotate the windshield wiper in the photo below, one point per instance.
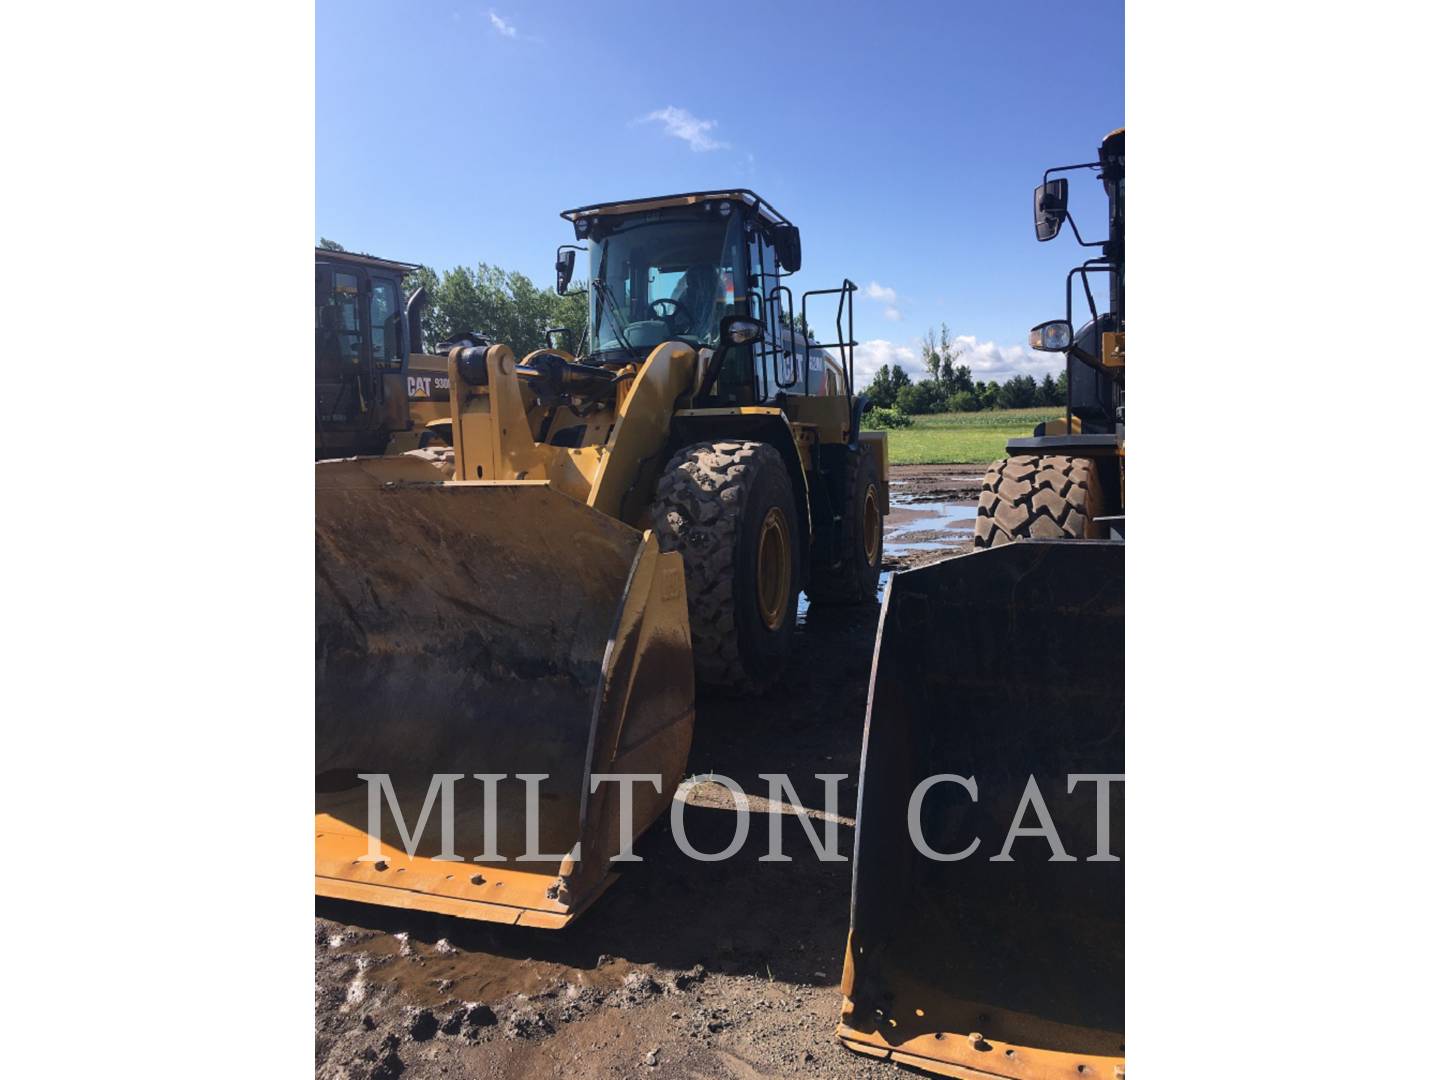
[{"x": 606, "y": 294}]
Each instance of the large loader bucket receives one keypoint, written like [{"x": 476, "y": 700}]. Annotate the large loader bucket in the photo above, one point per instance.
[
  {"x": 487, "y": 628},
  {"x": 996, "y": 666}
]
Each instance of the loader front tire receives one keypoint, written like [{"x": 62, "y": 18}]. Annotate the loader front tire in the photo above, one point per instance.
[
  {"x": 862, "y": 539},
  {"x": 1041, "y": 498},
  {"x": 729, "y": 509}
]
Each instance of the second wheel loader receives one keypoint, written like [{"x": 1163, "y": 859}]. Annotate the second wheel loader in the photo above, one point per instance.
[
  {"x": 621, "y": 525},
  {"x": 996, "y": 736},
  {"x": 376, "y": 391}
]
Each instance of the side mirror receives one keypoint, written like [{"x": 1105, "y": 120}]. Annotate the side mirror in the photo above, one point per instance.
[
  {"x": 1051, "y": 202},
  {"x": 787, "y": 247},
  {"x": 734, "y": 330},
  {"x": 1053, "y": 336},
  {"x": 739, "y": 330},
  {"x": 564, "y": 269}
]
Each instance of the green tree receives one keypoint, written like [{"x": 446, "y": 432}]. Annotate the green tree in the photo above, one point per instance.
[
  {"x": 885, "y": 384},
  {"x": 505, "y": 306},
  {"x": 1050, "y": 391},
  {"x": 941, "y": 356},
  {"x": 925, "y": 396},
  {"x": 1019, "y": 392},
  {"x": 572, "y": 311},
  {"x": 881, "y": 391},
  {"x": 330, "y": 245}
]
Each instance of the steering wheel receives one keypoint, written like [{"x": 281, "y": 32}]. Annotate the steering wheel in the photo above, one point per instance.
[{"x": 676, "y": 307}]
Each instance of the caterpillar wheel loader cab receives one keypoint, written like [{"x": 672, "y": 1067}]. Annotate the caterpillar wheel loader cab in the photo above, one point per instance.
[
  {"x": 621, "y": 524},
  {"x": 376, "y": 391},
  {"x": 987, "y": 911}
]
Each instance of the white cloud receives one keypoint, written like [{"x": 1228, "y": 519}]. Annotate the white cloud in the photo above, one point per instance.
[
  {"x": 683, "y": 125},
  {"x": 989, "y": 360},
  {"x": 876, "y": 291},
  {"x": 503, "y": 28},
  {"x": 870, "y": 355},
  {"x": 893, "y": 314}
]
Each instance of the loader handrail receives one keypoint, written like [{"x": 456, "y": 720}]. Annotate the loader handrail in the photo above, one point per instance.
[{"x": 844, "y": 332}]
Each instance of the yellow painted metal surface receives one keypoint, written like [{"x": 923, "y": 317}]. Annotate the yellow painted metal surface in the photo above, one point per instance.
[
  {"x": 1058, "y": 427},
  {"x": 829, "y": 414},
  {"x": 735, "y": 410},
  {"x": 966, "y": 1043},
  {"x": 495, "y": 430},
  {"x": 631, "y": 459},
  {"x": 982, "y": 1059},
  {"x": 491, "y": 627},
  {"x": 1112, "y": 349}
]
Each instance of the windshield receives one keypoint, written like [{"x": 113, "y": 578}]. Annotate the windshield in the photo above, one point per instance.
[{"x": 664, "y": 280}]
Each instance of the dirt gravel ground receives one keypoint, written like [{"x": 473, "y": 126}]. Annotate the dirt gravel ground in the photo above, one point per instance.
[{"x": 683, "y": 968}]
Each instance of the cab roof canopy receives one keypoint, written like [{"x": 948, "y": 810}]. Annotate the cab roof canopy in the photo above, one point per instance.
[
  {"x": 372, "y": 261},
  {"x": 660, "y": 202}
]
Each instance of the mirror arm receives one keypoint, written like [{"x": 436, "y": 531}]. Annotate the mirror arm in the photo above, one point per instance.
[
  {"x": 1078, "y": 238},
  {"x": 1070, "y": 168},
  {"x": 712, "y": 373},
  {"x": 1073, "y": 227}
]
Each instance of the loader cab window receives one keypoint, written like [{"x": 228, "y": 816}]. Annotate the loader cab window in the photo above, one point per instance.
[
  {"x": 385, "y": 318},
  {"x": 657, "y": 278},
  {"x": 337, "y": 323}
]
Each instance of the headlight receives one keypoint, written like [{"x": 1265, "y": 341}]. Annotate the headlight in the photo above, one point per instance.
[{"x": 1053, "y": 336}]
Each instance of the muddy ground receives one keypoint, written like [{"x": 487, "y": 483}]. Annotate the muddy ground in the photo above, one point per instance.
[{"x": 683, "y": 968}]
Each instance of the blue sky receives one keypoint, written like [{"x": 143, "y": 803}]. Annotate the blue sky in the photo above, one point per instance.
[{"x": 904, "y": 139}]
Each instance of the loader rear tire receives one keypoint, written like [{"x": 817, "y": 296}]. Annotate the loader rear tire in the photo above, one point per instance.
[
  {"x": 1042, "y": 498},
  {"x": 729, "y": 509},
  {"x": 862, "y": 540}
]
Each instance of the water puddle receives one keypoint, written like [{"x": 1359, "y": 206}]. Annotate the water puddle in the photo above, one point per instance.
[{"x": 917, "y": 525}]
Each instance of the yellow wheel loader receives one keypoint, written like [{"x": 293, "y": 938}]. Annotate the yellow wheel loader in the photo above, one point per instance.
[
  {"x": 621, "y": 525},
  {"x": 376, "y": 391},
  {"x": 987, "y": 910}
]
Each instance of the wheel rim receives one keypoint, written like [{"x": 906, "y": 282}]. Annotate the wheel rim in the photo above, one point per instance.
[
  {"x": 772, "y": 570},
  {"x": 872, "y": 526}
]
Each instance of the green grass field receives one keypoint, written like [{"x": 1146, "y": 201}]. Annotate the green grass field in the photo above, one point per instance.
[{"x": 964, "y": 438}]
